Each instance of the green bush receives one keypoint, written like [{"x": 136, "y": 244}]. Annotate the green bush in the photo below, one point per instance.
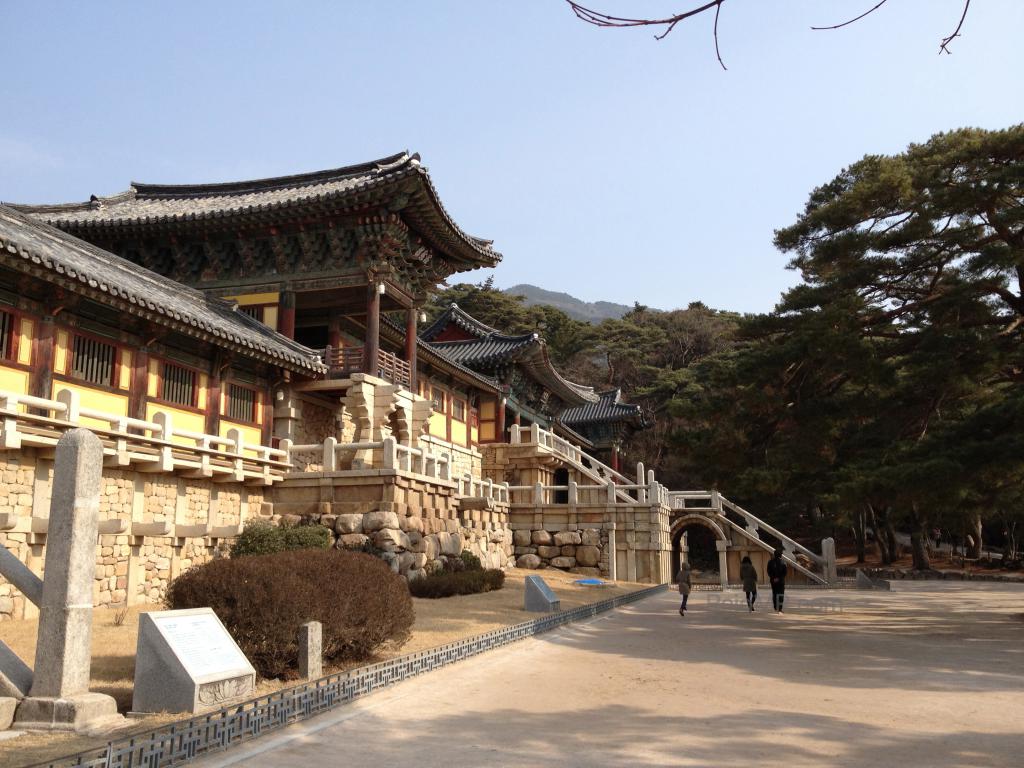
[
  {"x": 471, "y": 562},
  {"x": 263, "y": 599},
  {"x": 262, "y": 538},
  {"x": 447, "y": 583}
]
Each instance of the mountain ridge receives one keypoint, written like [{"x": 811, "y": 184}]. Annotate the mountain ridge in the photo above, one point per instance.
[{"x": 587, "y": 311}]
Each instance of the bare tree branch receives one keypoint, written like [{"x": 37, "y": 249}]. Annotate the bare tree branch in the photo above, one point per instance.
[
  {"x": 956, "y": 32},
  {"x": 855, "y": 18},
  {"x": 601, "y": 19}
]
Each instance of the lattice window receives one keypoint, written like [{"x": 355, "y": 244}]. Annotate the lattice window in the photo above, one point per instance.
[
  {"x": 255, "y": 312},
  {"x": 93, "y": 361},
  {"x": 179, "y": 385},
  {"x": 459, "y": 409},
  {"x": 241, "y": 403},
  {"x": 6, "y": 335},
  {"x": 437, "y": 397}
]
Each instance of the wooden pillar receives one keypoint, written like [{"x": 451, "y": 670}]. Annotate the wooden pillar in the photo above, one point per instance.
[
  {"x": 286, "y": 318},
  {"x": 372, "y": 349},
  {"x": 334, "y": 330},
  {"x": 43, "y": 346},
  {"x": 213, "y": 394},
  {"x": 139, "y": 387},
  {"x": 615, "y": 458},
  {"x": 499, "y": 425},
  {"x": 411, "y": 320}
]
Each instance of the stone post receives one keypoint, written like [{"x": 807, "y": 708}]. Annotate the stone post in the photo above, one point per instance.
[
  {"x": 723, "y": 562},
  {"x": 828, "y": 553},
  {"x": 60, "y": 698},
  {"x": 311, "y": 657}
]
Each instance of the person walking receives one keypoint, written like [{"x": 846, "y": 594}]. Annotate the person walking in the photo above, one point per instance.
[
  {"x": 684, "y": 586},
  {"x": 748, "y": 575},
  {"x": 777, "y": 579}
]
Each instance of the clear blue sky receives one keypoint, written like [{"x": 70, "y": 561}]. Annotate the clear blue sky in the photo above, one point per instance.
[{"x": 600, "y": 162}]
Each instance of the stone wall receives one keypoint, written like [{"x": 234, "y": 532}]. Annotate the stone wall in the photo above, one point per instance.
[
  {"x": 583, "y": 550},
  {"x": 414, "y": 521},
  {"x": 129, "y": 568}
]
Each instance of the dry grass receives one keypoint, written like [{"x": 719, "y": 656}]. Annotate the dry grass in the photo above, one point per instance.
[{"x": 437, "y": 622}]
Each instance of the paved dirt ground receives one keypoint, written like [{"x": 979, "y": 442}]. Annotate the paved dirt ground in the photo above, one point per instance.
[{"x": 928, "y": 675}]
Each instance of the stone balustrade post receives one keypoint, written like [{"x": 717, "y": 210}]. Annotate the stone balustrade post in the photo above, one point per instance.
[
  {"x": 329, "y": 462},
  {"x": 286, "y": 446},
  {"x": 164, "y": 421},
  {"x": 72, "y": 402},
  {"x": 538, "y": 494},
  {"x": 535, "y": 433},
  {"x": 11, "y": 438},
  {"x": 390, "y": 453},
  {"x": 514, "y": 434},
  {"x": 573, "y": 495}
]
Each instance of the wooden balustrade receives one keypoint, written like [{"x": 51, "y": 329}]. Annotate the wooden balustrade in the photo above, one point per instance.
[{"x": 346, "y": 360}]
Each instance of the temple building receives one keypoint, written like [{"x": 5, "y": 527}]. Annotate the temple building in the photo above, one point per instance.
[{"x": 252, "y": 350}]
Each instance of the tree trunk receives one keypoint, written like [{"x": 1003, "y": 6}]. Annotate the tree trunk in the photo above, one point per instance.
[
  {"x": 881, "y": 540},
  {"x": 858, "y": 535},
  {"x": 974, "y": 529},
  {"x": 918, "y": 541},
  {"x": 890, "y": 534}
]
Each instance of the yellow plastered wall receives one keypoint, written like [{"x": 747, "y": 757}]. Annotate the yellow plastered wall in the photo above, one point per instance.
[
  {"x": 248, "y": 299},
  {"x": 270, "y": 317},
  {"x": 124, "y": 375},
  {"x": 458, "y": 432},
  {"x": 153, "y": 379},
  {"x": 25, "y": 342},
  {"x": 201, "y": 396},
  {"x": 439, "y": 425},
  {"x": 97, "y": 400},
  {"x": 474, "y": 433},
  {"x": 60, "y": 354},
  {"x": 187, "y": 420},
  {"x": 13, "y": 380}
]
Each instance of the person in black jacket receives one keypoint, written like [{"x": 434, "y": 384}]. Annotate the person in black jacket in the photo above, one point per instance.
[{"x": 777, "y": 578}]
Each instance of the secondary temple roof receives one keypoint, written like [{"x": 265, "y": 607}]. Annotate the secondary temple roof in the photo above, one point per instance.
[
  {"x": 479, "y": 346},
  {"x": 608, "y": 408},
  {"x": 57, "y": 257},
  {"x": 396, "y": 184}
]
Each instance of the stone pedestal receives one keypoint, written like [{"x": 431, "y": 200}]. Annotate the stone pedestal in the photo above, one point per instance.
[{"x": 311, "y": 653}]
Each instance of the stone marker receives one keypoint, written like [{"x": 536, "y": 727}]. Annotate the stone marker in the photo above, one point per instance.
[
  {"x": 59, "y": 698},
  {"x": 828, "y": 554},
  {"x": 185, "y": 661},
  {"x": 539, "y": 597},
  {"x": 311, "y": 650}
]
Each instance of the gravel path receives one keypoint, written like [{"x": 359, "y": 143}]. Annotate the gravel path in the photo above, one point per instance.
[{"x": 927, "y": 675}]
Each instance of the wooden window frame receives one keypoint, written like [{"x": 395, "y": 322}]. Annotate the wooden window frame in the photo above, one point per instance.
[
  {"x": 435, "y": 391},
  {"x": 465, "y": 409},
  {"x": 255, "y": 403},
  {"x": 10, "y": 360},
  {"x": 194, "y": 399},
  {"x": 158, "y": 399},
  {"x": 115, "y": 368}
]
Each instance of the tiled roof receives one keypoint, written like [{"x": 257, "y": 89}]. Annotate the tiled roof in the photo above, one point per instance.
[
  {"x": 489, "y": 350},
  {"x": 400, "y": 178},
  {"x": 527, "y": 351},
  {"x": 30, "y": 246},
  {"x": 455, "y": 315},
  {"x": 608, "y": 408}
]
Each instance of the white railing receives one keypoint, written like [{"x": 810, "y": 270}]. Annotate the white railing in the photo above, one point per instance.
[
  {"x": 150, "y": 446},
  {"x": 341, "y": 457},
  {"x": 576, "y": 494},
  {"x": 646, "y": 489},
  {"x": 486, "y": 488}
]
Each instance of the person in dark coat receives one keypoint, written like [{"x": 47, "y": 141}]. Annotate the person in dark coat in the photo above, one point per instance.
[
  {"x": 684, "y": 586},
  {"x": 777, "y": 579},
  {"x": 748, "y": 575}
]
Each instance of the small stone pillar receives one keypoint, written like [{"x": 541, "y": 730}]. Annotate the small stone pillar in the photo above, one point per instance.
[
  {"x": 311, "y": 654},
  {"x": 60, "y": 698},
  {"x": 723, "y": 562},
  {"x": 828, "y": 554}
]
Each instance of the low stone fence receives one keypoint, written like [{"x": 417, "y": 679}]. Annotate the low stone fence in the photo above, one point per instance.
[{"x": 907, "y": 574}]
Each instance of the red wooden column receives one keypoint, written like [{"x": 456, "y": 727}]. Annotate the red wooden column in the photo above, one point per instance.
[
  {"x": 499, "y": 425},
  {"x": 41, "y": 377},
  {"x": 615, "y": 458},
  {"x": 139, "y": 387},
  {"x": 213, "y": 394},
  {"x": 286, "y": 315},
  {"x": 412, "y": 315},
  {"x": 372, "y": 349}
]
